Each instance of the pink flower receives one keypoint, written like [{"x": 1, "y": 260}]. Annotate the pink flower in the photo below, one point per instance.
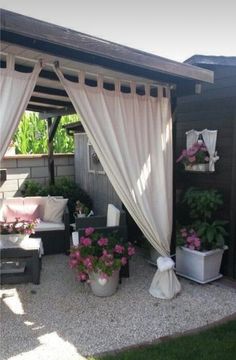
[
  {"x": 72, "y": 263},
  {"x": 82, "y": 276},
  {"x": 85, "y": 241},
  {"x": 207, "y": 159},
  {"x": 119, "y": 249},
  {"x": 89, "y": 231},
  {"x": 103, "y": 241},
  {"x": 183, "y": 155},
  {"x": 88, "y": 263},
  {"x": 123, "y": 260},
  {"x": 197, "y": 243},
  {"x": 77, "y": 254},
  {"x": 131, "y": 250}
]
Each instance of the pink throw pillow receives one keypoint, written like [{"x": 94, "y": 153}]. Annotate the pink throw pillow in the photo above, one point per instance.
[{"x": 25, "y": 212}]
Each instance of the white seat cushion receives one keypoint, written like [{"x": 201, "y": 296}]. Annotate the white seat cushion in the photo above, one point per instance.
[
  {"x": 113, "y": 216},
  {"x": 49, "y": 226}
]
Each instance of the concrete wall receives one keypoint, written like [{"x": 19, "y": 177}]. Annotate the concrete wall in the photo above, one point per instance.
[{"x": 35, "y": 167}]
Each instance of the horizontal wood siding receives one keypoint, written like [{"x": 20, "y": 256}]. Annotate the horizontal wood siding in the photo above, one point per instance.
[
  {"x": 215, "y": 112},
  {"x": 97, "y": 185}
]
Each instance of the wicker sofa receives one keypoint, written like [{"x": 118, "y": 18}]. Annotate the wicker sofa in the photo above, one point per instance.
[{"x": 54, "y": 225}]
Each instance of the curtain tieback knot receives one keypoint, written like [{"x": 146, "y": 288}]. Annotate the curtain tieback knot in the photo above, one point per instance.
[{"x": 165, "y": 263}]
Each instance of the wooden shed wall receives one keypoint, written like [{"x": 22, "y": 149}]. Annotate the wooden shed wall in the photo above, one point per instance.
[
  {"x": 214, "y": 109},
  {"x": 97, "y": 185}
]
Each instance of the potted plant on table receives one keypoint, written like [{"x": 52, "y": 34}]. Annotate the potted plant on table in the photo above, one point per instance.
[
  {"x": 17, "y": 230},
  {"x": 98, "y": 259},
  {"x": 202, "y": 242},
  {"x": 196, "y": 158}
]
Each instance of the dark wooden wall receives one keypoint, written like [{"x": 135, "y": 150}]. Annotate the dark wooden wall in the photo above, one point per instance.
[{"x": 214, "y": 109}]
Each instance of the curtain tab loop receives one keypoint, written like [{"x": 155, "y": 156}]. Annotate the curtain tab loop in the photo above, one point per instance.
[
  {"x": 147, "y": 89},
  {"x": 117, "y": 85},
  {"x": 100, "y": 81},
  {"x": 133, "y": 87},
  {"x": 11, "y": 62},
  {"x": 167, "y": 92},
  {"x": 81, "y": 77},
  {"x": 160, "y": 91}
]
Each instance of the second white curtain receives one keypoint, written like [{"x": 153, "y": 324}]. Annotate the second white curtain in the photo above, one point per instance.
[{"x": 132, "y": 136}]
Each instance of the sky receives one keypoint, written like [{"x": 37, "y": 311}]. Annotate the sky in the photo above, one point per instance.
[{"x": 174, "y": 29}]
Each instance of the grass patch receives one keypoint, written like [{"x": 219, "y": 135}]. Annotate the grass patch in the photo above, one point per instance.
[{"x": 213, "y": 344}]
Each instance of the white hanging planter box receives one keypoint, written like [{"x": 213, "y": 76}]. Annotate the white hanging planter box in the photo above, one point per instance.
[
  {"x": 202, "y": 267},
  {"x": 197, "y": 167}
]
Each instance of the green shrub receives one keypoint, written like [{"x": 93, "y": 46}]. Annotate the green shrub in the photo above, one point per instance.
[{"x": 62, "y": 187}]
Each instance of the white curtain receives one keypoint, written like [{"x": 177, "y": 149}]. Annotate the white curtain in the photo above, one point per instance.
[
  {"x": 191, "y": 138},
  {"x": 16, "y": 89},
  {"x": 132, "y": 136},
  {"x": 210, "y": 137}
]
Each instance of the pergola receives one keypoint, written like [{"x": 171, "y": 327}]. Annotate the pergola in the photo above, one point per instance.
[
  {"x": 30, "y": 40},
  {"x": 135, "y": 72}
]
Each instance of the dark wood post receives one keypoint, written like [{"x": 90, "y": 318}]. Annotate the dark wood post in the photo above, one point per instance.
[
  {"x": 52, "y": 127},
  {"x": 174, "y": 118}
]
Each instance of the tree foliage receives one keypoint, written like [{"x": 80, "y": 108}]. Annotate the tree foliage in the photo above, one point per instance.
[{"x": 31, "y": 136}]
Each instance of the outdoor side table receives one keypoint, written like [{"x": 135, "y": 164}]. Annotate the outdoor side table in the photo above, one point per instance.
[{"x": 24, "y": 260}]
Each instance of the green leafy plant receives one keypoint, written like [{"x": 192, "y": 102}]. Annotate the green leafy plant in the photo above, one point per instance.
[
  {"x": 202, "y": 203},
  {"x": 212, "y": 234},
  {"x": 203, "y": 232}
]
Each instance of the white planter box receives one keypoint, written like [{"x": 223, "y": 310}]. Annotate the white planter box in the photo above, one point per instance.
[
  {"x": 197, "y": 167},
  {"x": 202, "y": 267}
]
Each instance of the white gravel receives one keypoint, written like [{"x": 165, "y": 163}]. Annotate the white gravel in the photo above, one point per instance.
[{"x": 61, "y": 319}]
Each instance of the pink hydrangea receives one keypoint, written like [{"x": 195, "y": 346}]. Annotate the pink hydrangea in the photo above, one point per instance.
[
  {"x": 73, "y": 263},
  {"x": 85, "y": 241},
  {"x": 119, "y": 249},
  {"x": 131, "y": 250},
  {"x": 123, "y": 260},
  {"x": 89, "y": 231},
  {"x": 82, "y": 276},
  {"x": 88, "y": 263},
  {"x": 102, "y": 241}
]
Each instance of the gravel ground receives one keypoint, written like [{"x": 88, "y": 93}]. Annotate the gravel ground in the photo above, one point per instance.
[{"x": 62, "y": 320}]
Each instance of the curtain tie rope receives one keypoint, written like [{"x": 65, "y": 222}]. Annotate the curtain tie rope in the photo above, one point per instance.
[{"x": 165, "y": 263}]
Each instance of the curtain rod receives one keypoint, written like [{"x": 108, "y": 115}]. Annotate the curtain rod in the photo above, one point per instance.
[{"x": 141, "y": 81}]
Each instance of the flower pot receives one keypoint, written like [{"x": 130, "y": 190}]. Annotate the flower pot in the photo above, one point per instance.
[
  {"x": 104, "y": 287},
  {"x": 14, "y": 238},
  {"x": 202, "y": 267},
  {"x": 197, "y": 167}
]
